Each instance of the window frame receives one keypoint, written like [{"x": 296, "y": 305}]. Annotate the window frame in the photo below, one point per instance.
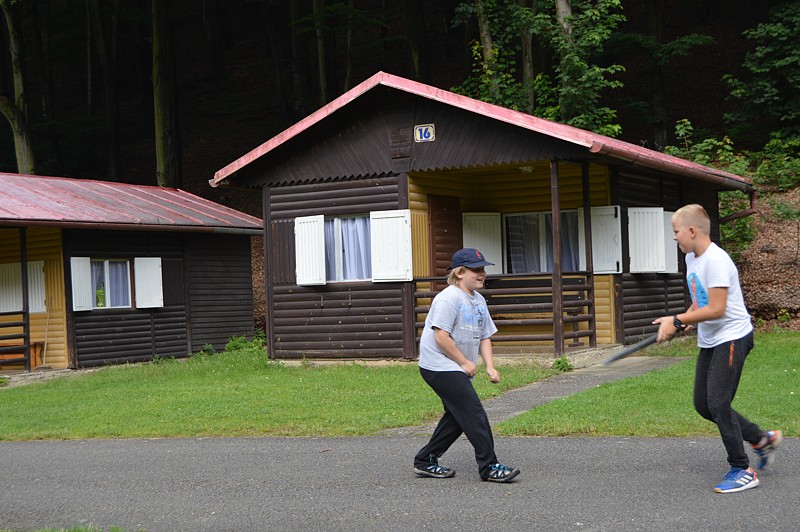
[
  {"x": 108, "y": 283},
  {"x": 390, "y": 247}
]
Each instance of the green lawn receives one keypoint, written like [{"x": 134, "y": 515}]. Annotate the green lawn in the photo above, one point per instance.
[
  {"x": 236, "y": 393},
  {"x": 241, "y": 393},
  {"x": 660, "y": 403}
]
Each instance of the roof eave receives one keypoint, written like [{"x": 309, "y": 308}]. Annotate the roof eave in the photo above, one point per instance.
[{"x": 675, "y": 166}]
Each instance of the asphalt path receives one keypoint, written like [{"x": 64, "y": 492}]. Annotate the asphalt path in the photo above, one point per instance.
[{"x": 355, "y": 484}]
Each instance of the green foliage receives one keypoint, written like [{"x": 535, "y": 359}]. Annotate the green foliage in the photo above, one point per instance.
[
  {"x": 571, "y": 96},
  {"x": 784, "y": 315},
  {"x": 581, "y": 79},
  {"x": 769, "y": 96},
  {"x": 494, "y": 81},
  {"x": 563, "y": 364},
  {"x": 736, "y": 235},
  {"x": 778, "y": 166},
  {"x": 3, "y": 381}
]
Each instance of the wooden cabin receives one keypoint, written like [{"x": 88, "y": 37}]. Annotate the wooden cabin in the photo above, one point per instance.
[
  {"x": 366, "y": 200},
  {"x": 96, "y": 273}
]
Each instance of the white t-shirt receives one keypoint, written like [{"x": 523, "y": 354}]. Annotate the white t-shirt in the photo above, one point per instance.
[
  {"x": 715, "y": 269},
  {"x": 467, "y": 320}
]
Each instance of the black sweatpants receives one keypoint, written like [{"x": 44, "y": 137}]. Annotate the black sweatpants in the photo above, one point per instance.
[
  {"x": 716, "y": 380},
  {"x": 463, "y": 413}
]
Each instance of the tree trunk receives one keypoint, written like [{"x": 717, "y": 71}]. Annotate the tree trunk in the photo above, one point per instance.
[
  {"x": 348, "y": 71},
  {"x": 485, "y": 32},
  {"x": 487, "y": 48},
  {"x": 167, "y": 134},
  {"x": 318, "y": 7},
  {"x": 299, "y": 60},
  {"x": 563, "y": 12},
  {"x": 528, "y": 72},
  {"x": 106, "y": 46},
  {"x": 215, "y": 25},
  {"x": 16, "y": 111},
  {"x": 415, "y": 26},
  {"x": 657, "y": 95}
]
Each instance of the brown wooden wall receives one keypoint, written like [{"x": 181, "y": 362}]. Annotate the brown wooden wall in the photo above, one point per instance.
[
  {"x": 647, "y": 296},
  {"x": 220, "y": 289},
  {"x": 341, "y": 320},
  {"x": 207, "y": 296}
]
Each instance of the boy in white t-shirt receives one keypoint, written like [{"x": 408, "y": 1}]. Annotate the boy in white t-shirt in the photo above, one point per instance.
[
  {"x": 725, "y": 337},
  {"x": 458, "y": 329}
]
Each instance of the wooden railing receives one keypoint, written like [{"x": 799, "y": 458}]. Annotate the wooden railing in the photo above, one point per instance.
[
  {"x": 14, "y": 345},
  {"x": 522, "y": 308}
]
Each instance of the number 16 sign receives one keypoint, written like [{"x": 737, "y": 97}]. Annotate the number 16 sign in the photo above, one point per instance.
[{"x": 424, "y": 133}]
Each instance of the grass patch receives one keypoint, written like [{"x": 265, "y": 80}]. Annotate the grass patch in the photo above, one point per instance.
[
  {"x": 660, "y": 403},
  {"x": 235, "y": 393}
]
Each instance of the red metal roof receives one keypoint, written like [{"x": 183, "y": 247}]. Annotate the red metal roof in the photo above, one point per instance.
[
  {"x": 600, "y": 145},
  {"x": 37, "y": 200}
]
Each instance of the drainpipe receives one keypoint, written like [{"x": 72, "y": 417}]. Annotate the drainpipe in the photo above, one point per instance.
[{"x": 742, "y": 214}]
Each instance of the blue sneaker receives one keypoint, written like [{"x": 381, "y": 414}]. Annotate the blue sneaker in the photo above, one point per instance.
[
  {"x": 766, "y": 451},
  {"x": 737, "y": 479},
  {"x": 501, "y": 473},
  {"x": 433, "y": 469}
]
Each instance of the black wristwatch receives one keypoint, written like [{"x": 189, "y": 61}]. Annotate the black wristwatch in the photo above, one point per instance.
[{"x": 677, "y": 323}]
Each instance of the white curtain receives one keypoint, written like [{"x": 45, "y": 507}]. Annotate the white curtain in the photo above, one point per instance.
[
  {"x": 330, "y": 250},
  {"x": 522, "y": 243},
  {"x": 119, "y": 280},
  {"x": 357, "y": 259},
  {"x": 117, "y": 292},
  {"x": 570, "y": 254},
  {"x": 347, "y": 249}
]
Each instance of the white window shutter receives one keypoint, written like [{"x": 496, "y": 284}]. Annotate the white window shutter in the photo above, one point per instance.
[
  {"x": 82, "y": 296},
  {"x": 309, "y": 250},
  {"x": 10, "y": 288},
  {"x": 646, "y": 239},
  {"x": 148, "y": 284},
  {"x": 670, "y": 246},
  {"x": 36, "y": 287},
  {"x": 606, "y": 239},
  {"x": 390, "y": 235},
  {"x": 483, "y": 231}
]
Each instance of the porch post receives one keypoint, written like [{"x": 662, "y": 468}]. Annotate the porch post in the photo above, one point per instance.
[
  {"x": 587, "y": 231},
  {"x": 266, "y": 198},
  {"x": 558, "y": 303},
  {"x": 26, "y": 316},
  {"x": 408, "y": 302}
]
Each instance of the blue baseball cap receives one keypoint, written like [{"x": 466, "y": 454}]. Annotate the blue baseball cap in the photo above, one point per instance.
[{"x": 469, "y": 257}]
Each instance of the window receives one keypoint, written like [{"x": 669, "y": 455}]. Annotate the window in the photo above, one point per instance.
[
  {"x": 107, "y": 283},
  {"x": 11, "y": 287},
  {"x": 347, "y": 249},
  {"x": 529, "y": 242},
  {"x": 353, "y": 248},
  {"x": 111, "y": 283}
]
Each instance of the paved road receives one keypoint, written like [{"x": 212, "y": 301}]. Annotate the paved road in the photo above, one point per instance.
[{"x": 359, "y": 484}]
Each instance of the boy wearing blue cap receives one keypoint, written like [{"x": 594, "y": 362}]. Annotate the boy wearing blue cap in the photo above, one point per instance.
[{"x": 458, "y": 329}]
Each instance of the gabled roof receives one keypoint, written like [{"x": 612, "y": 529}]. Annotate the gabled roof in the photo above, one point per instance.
[
  {"x": 57, "y": 201},
  {"x": 599, "y": 145}
]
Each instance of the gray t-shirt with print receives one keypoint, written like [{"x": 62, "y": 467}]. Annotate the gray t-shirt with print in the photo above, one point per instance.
[{"x": 467, "y": 320}]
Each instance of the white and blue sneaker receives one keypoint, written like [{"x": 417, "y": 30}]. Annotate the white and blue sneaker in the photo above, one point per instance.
[
  {"x": 737, "y": 479},
  {"x": 433, "y": 469},
  {"x": 766, "y": 451}
]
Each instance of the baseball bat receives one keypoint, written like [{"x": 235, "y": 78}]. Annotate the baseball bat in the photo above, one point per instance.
[{"x": 630, "y": 350}]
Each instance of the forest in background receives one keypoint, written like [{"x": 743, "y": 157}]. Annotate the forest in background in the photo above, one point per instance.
[{"x": 212, "y": 79}]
